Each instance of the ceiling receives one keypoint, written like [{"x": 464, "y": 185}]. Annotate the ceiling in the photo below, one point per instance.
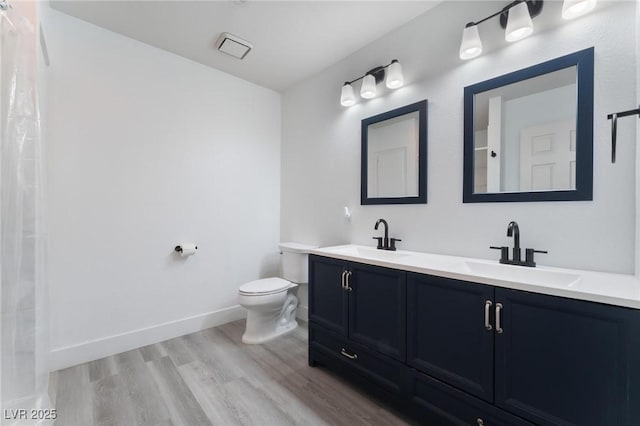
[{"x": 292, "y": 40}]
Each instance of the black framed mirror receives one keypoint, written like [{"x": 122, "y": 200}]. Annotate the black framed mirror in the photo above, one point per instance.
[
  {"x": 528, "y": 135},
  {"x": 394, "y": 156}
]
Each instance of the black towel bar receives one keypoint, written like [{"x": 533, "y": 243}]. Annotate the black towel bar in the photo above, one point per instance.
[{"x": 614, "y": 127}]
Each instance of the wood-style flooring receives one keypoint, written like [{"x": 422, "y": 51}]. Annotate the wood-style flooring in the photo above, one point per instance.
[{"x": 211, "y": 377}]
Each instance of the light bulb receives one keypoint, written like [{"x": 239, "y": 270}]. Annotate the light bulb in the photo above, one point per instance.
[
  {"x": 368, "y": 89},
  {"x": 347, "y": 98},
  {"x": 395, "y": 78},
  {"x": 574, "y": 8},
  {"x": 519, "y": 24},
  {"x": 471, "y": 46}
]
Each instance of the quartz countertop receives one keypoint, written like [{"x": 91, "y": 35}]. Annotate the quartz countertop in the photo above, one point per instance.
[{"x": 602, "y": 287}]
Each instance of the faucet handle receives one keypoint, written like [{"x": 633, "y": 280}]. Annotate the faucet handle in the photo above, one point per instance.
[
  {"x": 379, "y": 242},
  {"x": 504, "y": 253},
  {"x": 392, "y": 243},
  {"x": 528, "y": 259}
]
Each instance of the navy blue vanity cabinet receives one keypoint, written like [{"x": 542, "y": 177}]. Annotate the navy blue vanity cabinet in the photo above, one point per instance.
[
  {"x": 475, "y": 354},
  {"x": 377, "y": 309},
  {"x": 328, "y": 304},
  {"x": 567, "y": 362},
  {"x": 545, "y": 359},
  {"x": 447, "y": 335},
  {"x": 357, "y": 320}
]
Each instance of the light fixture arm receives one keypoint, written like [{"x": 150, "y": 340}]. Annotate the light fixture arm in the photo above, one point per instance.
[
  {"x": 378, "y": 72},
  {"x": 535, "y": 7},
  {"x": 470, "y": 24}
]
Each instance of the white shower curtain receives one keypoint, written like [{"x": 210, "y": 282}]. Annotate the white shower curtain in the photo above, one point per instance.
[{"x": 23, "y": 297}]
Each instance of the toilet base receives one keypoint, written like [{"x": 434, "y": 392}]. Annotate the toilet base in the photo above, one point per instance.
[
  {"x": 264, "y": 338},
  {"x": 264, "y": 325}
]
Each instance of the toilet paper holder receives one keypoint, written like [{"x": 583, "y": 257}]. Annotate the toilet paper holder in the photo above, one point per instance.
[{"x": 178, "y": 248}]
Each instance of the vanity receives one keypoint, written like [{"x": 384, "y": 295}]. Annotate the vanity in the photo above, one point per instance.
[{"x": 452, "y": 340}]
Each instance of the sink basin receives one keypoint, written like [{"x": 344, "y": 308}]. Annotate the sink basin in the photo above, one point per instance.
[
  {"x": 371, "y": 253},
  {"x": 519, "y": 274}
]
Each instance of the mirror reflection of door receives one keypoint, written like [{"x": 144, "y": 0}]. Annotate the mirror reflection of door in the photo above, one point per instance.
[
  {"x": 523, "y": 135},
  {"x": 548, "y": 156},
  {"x": 393, "y": 157}
]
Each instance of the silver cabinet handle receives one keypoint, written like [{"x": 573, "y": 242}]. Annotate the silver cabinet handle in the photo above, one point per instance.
[
  {"x": 480, "y": 421},
  {"x": 499, "y": 329},
  {"x": 348, "y": 284},
  {"x": 348, "y": 355},
  {"x": 344, "y": 275},
  {"x": 487, "y": 321}
]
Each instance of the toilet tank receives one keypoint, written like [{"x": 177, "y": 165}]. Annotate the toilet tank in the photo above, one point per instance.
[{"x": 295, "y": 262}]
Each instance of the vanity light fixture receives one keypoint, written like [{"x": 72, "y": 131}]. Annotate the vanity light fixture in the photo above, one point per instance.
[
  {"x": 519, "y": 23},
  {"x": 471, "y": 45},
  {"x": 368, "y": 89},
  {"x": 347, "y": 98},
  {"x": 574, "y": 8},
  {"x": 516, "y": 19}
]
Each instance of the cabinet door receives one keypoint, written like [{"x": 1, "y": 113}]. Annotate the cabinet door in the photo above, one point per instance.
[
  {"x": 446, "y": 333},
  {"x": 567, "y": 362},
  {"x": 377, "y": 309},
  {"x": 327, "y": 298}
]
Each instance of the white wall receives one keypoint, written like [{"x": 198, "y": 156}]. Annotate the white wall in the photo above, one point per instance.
[
  {"x": 321, "y": 144},
  {"x": 146, "y": 150}
]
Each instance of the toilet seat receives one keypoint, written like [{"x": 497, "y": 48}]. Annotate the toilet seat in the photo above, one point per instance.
[{"x": 265, "y": 286}]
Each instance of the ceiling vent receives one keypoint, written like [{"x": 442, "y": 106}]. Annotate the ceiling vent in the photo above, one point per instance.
[{"x": 234, "y": 46}]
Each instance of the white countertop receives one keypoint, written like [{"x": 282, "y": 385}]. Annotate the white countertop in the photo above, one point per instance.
[{"x": 601, "y": 287}]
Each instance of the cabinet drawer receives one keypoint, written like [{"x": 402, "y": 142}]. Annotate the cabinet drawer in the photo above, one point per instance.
[
  {"x": 385, "y": 372},
  {"x": 437, "y": 404}
]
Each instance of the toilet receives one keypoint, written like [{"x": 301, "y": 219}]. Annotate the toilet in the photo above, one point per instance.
[{"x": 271, "y": 302}]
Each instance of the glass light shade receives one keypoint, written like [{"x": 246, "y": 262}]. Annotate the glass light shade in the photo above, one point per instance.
[
  {"x": 368, "y": 89},
  {"x": 574, "y": 8},
  {"x": 519, "y": 24},
  {"x": 347, "y": 98},
  {"x": 471, "y": 46},
  {"x": 395, "y": 78}
]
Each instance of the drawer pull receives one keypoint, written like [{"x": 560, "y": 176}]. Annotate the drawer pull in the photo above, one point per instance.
[
  {"x": 499, "y": 329},
  {"x": 487, "y": 308},
  {"x": 480, "y": 421},
  {"x": 348, "y": 355}
]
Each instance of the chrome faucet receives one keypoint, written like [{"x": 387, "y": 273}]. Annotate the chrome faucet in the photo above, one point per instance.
[
  {"x": 385, "y": 243},
  {"x": 514, "y": 231}
]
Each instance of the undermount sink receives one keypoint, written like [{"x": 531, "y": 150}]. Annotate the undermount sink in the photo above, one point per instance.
[
  {"x": 371, "y": 253},
  {"x": 520, "y": 274}
]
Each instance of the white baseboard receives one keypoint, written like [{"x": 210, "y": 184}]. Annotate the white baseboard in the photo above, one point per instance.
[
  {"x": 80, "y": 353},
  {"x": 302, "y": 313}
]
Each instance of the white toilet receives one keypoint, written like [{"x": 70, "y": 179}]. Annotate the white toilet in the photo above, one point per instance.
[{"x": 271, "y": 302}]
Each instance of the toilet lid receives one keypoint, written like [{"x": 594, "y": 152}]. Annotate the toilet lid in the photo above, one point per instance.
[{"x": 265, "y": 286}]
